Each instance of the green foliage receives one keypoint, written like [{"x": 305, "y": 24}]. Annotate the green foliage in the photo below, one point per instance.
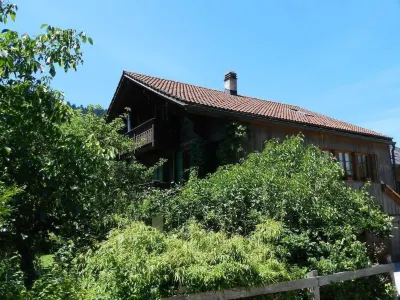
[
  {"x": 60, "y": 280},
  {"x": 46, "y": 261},
  {"x": 11, "y": 279},
  {"x": 35, "y": 58},
  {"x": 65, "y": 161},
  {"x": 268, "y": 218},
  {"x": 297, "y": 185},
  {"x": 7, "y": 10},
  {"x": 6, "y": 193},
  {"x": 57, "y": 284},
  {"x": 233, "y": 146},
  {"x": 373, "y": 287},
  {"x": 140, "y": 262},
  {"x": 115, "y": 189},
  {"x": 70, "y": 176},
  {"x": 97, "y": 109},
  {"x": 197, "y": 154}
]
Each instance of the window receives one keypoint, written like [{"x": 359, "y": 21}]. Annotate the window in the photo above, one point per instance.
[
  {"x": 365, "y": 166},
  {"x": 357, "y": 166},
  {"x": 362, "y": 170},
  {"x": 345, "y": 160}
]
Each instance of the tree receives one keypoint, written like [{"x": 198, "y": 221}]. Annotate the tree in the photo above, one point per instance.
[
  {"x": 6, "y": 193},
  {"x": 98, "y": 110},
  {"x": 30, "y": 114},
  {"x": 62, "y": 161}
]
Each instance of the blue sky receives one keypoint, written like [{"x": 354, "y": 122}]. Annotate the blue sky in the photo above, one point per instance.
[{"x": 339, "y": 58}]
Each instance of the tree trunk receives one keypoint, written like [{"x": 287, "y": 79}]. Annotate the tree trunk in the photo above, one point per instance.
[{"x": 24, "y": 246}]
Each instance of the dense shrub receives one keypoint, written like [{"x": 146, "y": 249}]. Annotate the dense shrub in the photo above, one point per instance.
[
  {"x": 297, "y": 185},
  {"x": 140, "y": 262},
  {"x": 11, "y": 279}
]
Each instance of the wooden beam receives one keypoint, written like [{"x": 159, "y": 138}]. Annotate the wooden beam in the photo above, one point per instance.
[
  {"x": 392, "y": 194},
  {"x": 350, "y": 275},
  {"x": 258, "y": 291},
  {"x": 311, "y": 282},
  {"x": 314, "y": 290}
]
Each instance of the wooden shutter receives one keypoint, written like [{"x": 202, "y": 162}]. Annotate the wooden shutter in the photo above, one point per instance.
[{"x": 372, "y": 167}]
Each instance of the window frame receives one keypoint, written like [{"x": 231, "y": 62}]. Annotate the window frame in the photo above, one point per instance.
[
  {"x": 348, "y": 174},
  {"x": 362, "y": 168},
  {"x": 354, "y": 174}
]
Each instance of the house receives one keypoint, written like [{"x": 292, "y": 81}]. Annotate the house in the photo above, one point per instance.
[{"x": 170, "y": 119}]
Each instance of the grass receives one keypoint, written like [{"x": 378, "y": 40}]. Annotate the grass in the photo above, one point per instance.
[{"x": 46, "y": 261}]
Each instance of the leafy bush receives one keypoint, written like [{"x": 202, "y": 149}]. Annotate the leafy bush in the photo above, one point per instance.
[
  {"x": 290, "y": 182},
  {"x": 234, "y": 145},
  {"x": 6, "y": 193},
  {"x": 58, "y": 282},
  {"x": 140, "y": 262},
  {"x": 297, "y": 185},
  {"x": 11, "y": 279},
  {"x": 373, "y": 287}
]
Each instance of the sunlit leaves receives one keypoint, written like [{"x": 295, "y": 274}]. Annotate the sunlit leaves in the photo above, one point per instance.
[
  {"x": 295, "y": 184},
  {"x": 36, "y": 154},
  {"x": 139, "y": 262},
  {"x": 24, "y": 57},
  {"x": 7, "y": 10}
]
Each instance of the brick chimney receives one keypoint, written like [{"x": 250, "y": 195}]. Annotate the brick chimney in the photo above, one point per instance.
[{"x": 230, "y": 83}]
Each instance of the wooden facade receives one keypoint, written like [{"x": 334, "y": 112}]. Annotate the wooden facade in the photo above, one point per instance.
[
  {"x": 335, "y": 142},
  {"x": 166, "y": 130}
]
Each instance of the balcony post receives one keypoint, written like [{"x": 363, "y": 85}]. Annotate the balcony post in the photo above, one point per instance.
[
  {"x": 152, "y": 134},
  {"x": 128, "y": 121}
]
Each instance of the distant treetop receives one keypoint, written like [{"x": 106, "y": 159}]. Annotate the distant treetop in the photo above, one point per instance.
[{"x": 97, "y": 109}]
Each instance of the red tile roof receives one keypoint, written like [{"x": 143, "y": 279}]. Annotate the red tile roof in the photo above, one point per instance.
[{"x": 200, "y": 96}]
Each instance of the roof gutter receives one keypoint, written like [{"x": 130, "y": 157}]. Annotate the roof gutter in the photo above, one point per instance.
[{"x": 200, "y": 109}]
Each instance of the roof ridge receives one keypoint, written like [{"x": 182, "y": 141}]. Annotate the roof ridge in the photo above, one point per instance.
[{"x": 176, "y": 81}]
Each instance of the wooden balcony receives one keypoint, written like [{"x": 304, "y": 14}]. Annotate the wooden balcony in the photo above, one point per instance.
[
  {"x": 143, "y": 134},
  {"x": 152, "y": 135}
]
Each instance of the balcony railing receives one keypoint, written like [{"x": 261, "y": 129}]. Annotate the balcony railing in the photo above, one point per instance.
[
  {"x": 153, "y": 134},
  {"x": 143, "y": 134}
]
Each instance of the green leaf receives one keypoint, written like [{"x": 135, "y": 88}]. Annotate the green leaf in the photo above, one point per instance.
[
  {"x": 13, "y": 15},
  {"x": 90, "y": 41},
  {"x": 43, "y": 26},
  {"x": 3, "y": 53},
  {"x": 52, "y": 71}
]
